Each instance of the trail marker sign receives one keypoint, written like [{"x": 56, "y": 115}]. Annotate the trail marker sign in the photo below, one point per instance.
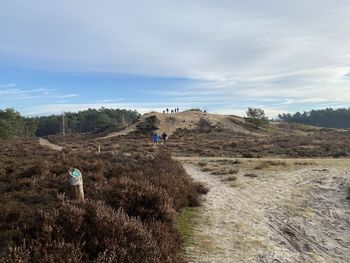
[{"x": 76, "y": 183}]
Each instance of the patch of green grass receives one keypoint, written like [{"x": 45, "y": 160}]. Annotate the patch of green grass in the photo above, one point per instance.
[{"x": 185, "y": 221}]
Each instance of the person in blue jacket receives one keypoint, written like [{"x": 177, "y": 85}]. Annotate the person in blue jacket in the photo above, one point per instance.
[{"x": 155, "y": 138}]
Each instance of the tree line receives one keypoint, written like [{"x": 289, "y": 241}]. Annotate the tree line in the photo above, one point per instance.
[
  {"x": 329, "y": 117},
  {"x": 13, "y": 125}
]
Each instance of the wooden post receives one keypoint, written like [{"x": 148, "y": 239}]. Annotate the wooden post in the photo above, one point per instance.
[{"x": 76, "y": 184}]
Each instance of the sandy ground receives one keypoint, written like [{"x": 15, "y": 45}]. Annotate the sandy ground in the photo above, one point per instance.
[
  {"x": 292, "y": 215},
  {"x": 52, "y": 146}
]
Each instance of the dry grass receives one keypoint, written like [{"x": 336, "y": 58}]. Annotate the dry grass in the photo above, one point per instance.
[{"x": 267, "y": 164}]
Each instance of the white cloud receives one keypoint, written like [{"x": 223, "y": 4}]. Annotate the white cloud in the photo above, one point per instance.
[
  {"x": 20, "y": 94},
  {"x": 7, "y": 85},
  {"x": 294, "y": 50}
]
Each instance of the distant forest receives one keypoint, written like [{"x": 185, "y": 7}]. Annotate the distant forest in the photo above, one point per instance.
[
  {"x": 330, "y": 118},
  {"x": 13, "y": 125}
]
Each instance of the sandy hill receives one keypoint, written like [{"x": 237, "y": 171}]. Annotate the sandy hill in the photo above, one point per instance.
[{"x": 188, "y": 120}]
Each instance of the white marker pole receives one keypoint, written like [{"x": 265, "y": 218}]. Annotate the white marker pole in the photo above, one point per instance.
[{"x": 76, "y": 183}]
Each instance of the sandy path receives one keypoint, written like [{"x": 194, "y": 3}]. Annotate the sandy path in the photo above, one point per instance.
[
  {"x": 52, "y": 146},
  {"x": 299, "y": 216}
]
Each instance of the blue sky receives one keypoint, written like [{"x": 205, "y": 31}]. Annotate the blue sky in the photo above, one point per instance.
[{"x": 223, "y": 55}]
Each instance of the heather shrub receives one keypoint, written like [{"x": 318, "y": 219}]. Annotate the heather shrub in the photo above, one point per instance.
[
  {"x": 128, "y": 216},
  {"x": 168, "y": 241},
  {"x": 204, "y": 125},
  {"x": 200, "y": 188},
  {"x": 43, "y": 252},
  {"x": 85, "y": 232},
  {"x": 140, "y": 198}
]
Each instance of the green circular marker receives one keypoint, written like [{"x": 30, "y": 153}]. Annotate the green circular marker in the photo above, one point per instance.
[{"x": 76, "y": 173}]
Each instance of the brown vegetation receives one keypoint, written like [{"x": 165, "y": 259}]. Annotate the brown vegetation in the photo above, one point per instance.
[
  {"x": 251, "y": 175},
  {"x": 128, "y": 215},
  {"x": 278, "y": 140}
]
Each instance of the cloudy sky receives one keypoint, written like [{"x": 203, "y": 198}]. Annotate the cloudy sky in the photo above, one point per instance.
[{"x": 220, "y": 55}]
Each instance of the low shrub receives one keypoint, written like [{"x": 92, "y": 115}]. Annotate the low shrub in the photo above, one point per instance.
[
  {"x": 148, "y": 125},
  {"x": 252, "y": 175},
  {"x": 202, "y": 164},
  {"x": 231, "y": 178},
  {"x": 108, "y": 236},
  {"x": 340, "y": 154},
  {"x": 202, "y": 189},
  {"x": 140, "y": 198},
  {"x": 128, "y": 215},
  {"x": 233, "y": 171},
  {"x": 204, "y": 125}
]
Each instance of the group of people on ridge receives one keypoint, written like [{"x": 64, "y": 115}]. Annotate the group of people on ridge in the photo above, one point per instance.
[
  {"x": 156, "y": 138},
  {"x": 176, "y": 110}
]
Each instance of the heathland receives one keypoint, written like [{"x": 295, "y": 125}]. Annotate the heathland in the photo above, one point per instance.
[{"x": 277, "y": 193}]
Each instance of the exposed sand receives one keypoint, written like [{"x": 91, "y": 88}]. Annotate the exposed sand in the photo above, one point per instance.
[
  {"x": 283, "y": 216},
  {"x": 187, "y": 120},
  {"x": 52, "y": 146}
]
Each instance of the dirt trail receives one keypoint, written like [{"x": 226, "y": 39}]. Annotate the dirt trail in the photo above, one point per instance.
[
  {"x": 52, "y": 146},
  {"x": 299, "y": 216}
]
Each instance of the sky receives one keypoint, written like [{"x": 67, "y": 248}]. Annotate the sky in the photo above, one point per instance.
[{"x": 219, "y": 55}]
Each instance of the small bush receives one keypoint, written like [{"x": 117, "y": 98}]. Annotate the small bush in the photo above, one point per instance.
[
  {"x": 231, "y": 178},
  {"x": 148, "y": 125},
  {"x": 261, "y": 166},
  {"x": 340, "y": 154},
  {"x": 248, "y": 155},
  {"x": 233, "y": 171},
  {"x": 257, "y": 117},
  {"x": 202, "y": 164},
  {"x": 204, "y": 125},
  {"x": 140, "y": 198},
  {"x": 252, "y": 175},
  {"x": 202, "y": 189}
]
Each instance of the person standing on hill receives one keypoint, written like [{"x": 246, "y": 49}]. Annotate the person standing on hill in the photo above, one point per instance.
[
  {"x": 177, "y": 110},
  {"x": 167, "y": 110},
  {"x": 155, "y": 138},
  {"x": 164, "y": 137}
]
